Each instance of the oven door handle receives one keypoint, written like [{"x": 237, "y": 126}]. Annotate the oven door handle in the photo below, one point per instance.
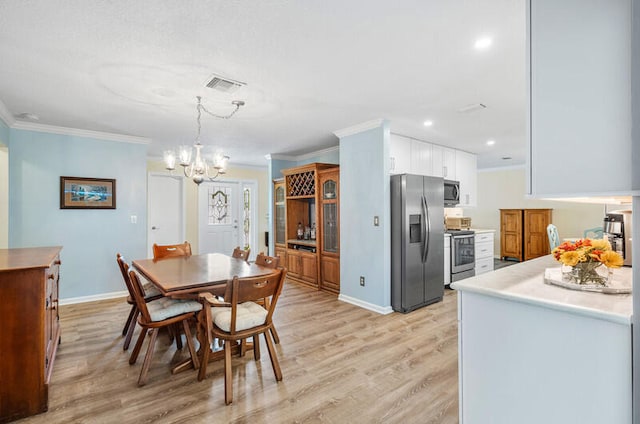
[{"x": 426, "y": 229}]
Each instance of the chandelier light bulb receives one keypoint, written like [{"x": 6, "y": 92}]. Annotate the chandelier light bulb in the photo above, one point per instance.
[
  {"x": 170, "y": 159},
  {"x": 184, "y": 153}
]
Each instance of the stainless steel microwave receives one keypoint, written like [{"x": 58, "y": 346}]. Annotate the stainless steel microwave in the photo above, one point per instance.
[{"x": 451, "y": 193}]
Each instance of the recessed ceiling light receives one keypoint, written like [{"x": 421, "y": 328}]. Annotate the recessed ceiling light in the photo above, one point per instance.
[
  {"x": 491, "y": 142},
  {"x": 428, "y": 123},
  {"x": 482, "y": 43}
]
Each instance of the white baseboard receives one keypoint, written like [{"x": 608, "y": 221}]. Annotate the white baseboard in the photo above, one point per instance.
[
  {"x": 383, "y": 310},
  {"x": 93, "y": 298}
]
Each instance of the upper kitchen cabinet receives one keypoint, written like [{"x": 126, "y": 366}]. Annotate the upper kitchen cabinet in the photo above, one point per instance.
[
  {"x": 400, "y": 149},
  {"x": 444, "y": 162},
  {"x": 580, "y": 96},
  {"x": 421, "y": 158},
  {"x": 466, "y": 165}
]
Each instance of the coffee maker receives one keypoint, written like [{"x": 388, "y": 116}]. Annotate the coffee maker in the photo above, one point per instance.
[{"x": 617, "y": 229}]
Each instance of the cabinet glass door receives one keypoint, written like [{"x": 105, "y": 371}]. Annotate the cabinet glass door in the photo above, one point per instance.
[
  {"x": 280, "y": 215},
  {"x": 330, "y": 227},
  {"x": 329, "y": 189}
]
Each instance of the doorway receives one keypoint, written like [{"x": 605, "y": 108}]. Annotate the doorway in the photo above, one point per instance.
[
  {"x": 166, "y": 210},
  {"x": 227, "y": 216}
]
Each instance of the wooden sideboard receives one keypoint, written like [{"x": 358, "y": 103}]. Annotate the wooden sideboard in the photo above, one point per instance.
[{"x": 29, "y": 320}]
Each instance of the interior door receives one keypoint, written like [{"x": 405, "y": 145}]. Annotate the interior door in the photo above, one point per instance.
[
  {"x": 220, "y": 206},
  {"x": 165, "y": 210}
]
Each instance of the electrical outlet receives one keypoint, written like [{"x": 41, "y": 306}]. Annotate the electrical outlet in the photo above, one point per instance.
[{"x": 362, "y": 281}]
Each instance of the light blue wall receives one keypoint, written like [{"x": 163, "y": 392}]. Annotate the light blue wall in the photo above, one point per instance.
[
  {"x": 364, "y": 193},
  {"x": 90, "y": 238},
  {"x": 332, "y": 156}
]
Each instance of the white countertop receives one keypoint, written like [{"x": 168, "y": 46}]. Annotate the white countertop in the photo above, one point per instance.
[
  {"x": 524, "y": 282},
  {"x": 482, "y": 230}
]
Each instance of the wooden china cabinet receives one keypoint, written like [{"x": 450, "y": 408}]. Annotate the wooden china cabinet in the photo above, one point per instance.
[{"x": 310, "y": 246}]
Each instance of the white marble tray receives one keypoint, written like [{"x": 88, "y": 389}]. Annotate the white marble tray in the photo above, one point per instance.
[{"x": 616, "y": 285}]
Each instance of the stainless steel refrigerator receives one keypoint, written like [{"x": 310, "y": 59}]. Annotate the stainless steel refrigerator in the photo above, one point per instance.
[{"x": 417, "y": 241}]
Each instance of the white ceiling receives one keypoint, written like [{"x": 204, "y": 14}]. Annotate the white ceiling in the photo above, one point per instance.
[{"x": 311, "y": 67}]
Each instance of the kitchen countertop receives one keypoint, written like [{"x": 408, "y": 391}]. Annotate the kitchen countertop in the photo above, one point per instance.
[
  {"x": 482, "y": 230},
  {"x": 523, "y": 282}
]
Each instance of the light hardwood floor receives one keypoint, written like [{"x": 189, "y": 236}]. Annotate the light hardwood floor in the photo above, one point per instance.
[{"x": 341, "y": 364}]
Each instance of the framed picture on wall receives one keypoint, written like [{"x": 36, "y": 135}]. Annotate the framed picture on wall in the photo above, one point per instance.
[{"x": 87, "y": 193}]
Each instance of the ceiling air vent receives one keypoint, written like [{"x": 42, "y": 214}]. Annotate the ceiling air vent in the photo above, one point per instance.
[
  {"x": 224, "y": 85},
  {"x": 472, "y": 108}
]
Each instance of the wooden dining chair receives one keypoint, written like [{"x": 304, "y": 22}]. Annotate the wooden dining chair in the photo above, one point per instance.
[
  {"x": 155, "y": 315},
  {"x": 240, "y": 317},
  {"x": 269, "y": 262},
  {"x": 150, "y": 293},
  {"x": 161, "y": 251},
  {"x": 241, "y": 254}
]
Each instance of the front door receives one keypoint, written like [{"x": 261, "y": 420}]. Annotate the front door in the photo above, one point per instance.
[{"x": 220, "y": 204}]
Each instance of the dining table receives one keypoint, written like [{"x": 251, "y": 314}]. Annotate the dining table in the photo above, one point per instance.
[{"x": 184, "y": 277}]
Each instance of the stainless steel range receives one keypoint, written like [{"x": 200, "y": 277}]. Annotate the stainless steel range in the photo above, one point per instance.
[{"x": 463, "y": 256}]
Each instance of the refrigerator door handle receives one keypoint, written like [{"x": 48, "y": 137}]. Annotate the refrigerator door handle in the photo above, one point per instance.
[{"x": 426, "y": 229}]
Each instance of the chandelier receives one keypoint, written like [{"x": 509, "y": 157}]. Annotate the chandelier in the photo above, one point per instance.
[{"x": 199, "y": 168}]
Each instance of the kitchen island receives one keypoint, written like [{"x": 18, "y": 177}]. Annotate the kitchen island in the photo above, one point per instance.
[{"x": 530, "y": 352}]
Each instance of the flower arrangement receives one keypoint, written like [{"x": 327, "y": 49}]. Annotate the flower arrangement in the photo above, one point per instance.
[{"x": 585, "y": 256}]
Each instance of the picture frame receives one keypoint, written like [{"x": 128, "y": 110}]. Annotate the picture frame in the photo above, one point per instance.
[{"x": 87, "y": 193}]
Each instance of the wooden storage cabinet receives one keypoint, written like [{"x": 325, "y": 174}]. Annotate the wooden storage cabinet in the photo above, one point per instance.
[
  {"x": 523, "y": 233},
  {"x": 29, "y": 280},
  {"x": 304, "y": 189}
]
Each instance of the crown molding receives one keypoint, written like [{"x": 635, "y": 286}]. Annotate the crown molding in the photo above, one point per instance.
[
  {"x": 318, "y": 152},
  {"x": 369, "y": 125},
  {"x": 281, "y": 157},
  {"x": 6, "y": 116},
  {"x": 75, "y": 132},
  {"x": 503, "y": 168}
]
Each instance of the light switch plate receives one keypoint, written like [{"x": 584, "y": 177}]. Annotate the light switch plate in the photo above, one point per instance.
[{"x": 376, "y": 221}]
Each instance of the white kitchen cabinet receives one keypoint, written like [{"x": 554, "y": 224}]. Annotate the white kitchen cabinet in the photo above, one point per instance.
[
  {"x": 400, "y": 151},
  {"x": 421, "y": 154},
  {"x": 484, "y": 252},
  {"x": 467, "y": 173},
  {"x": 443, "y": 162},
  {"x": 580, "y": 96},
  {"x": 447, "y": 259}
]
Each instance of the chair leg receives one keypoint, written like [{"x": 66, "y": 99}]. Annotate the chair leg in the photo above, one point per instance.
[
  {"x": 274, "y": 359},
  {"x": 228, "y": 375},
  {"x": 136, "y": 349},
  {"x": 274, "y": 334},
  {"x": 256, "y": 347},
  {"x": 178, "y": 335},
  {"x": 190, "y": 345},
  {"x": 132, "y": 327},
  {"x": 243, "y": 347},
  {"x": 130, "y": 320},
  {"x": 147, "y": 358}
]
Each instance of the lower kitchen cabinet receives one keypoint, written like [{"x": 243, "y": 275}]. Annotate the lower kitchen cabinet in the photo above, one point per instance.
[{"x": 484, "y": 252}]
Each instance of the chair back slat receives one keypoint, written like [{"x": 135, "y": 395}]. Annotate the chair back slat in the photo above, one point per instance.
[
  {"x": 240, "y": 253},
  {"x": 161, "y": 251},
  {"x": 267, "y": 261}
]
